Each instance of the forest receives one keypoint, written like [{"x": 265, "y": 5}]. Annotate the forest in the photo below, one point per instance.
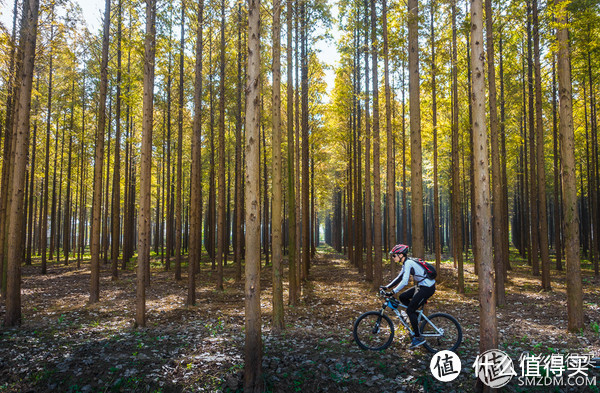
[{"x": 195, "y": 197}]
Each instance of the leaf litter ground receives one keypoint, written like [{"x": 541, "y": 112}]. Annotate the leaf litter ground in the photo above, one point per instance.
[{"x": 67, "y": 345}]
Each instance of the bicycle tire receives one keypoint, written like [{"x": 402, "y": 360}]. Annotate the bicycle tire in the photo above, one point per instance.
[
  {"x": 451, "y": 338},
  {"x": 373, "y": 331}
]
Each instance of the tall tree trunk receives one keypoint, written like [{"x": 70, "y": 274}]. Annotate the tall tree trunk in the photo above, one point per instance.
[
  {"x": 533, "y": 194},
  {"x": 253, "y": 381},
  {"x": 68, "y": 204},
  {"x": 498, "y": 230},
  {"x": 368, "y": 220},
  {"x": 455, "y": 194},
  {"x": 31, "y": 209},
  {"x": 237, "y": 247},
  {"x": 179, "y": 186},
  {"x": 558, "y": 225},
  {"x": 377, "y": 261},
  {"x": 144, "y": 224},
  {"x": 98, "y": 162},
  {"x": 391, "y": 181},
  {"x": 504, "y": 200},
  {"x": 11, "y": 107},
  {"x": 305, "y": 143},
  {"x": 436, "y": 204},
  {"x": 276, "y": 115},
  {"x": 291, "y": 189},
  {"x": 106, "y": 195},
  {"x": 24, "y": 79},
  {"x": 221, "y": 156},
  {"x": 196, "y": 175},
  {"x": 116, "y": 190},
  {"x": 416, "y": 172},
  {"x": 488, "y": 325},
  {"x": 168, "y": 214},
  {"x": 82, "y": 177},
  {"x": 541, "y": 170},
  {"x": 569, "y": 200}
]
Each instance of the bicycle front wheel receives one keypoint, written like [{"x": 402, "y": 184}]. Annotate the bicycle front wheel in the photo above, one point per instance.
[
  {"x": 441, "y": 332},
  {"x": 373, "y": 331}
]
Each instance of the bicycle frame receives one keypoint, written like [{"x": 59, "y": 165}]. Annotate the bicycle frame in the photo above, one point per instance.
[{"x": 420, "y": 317}]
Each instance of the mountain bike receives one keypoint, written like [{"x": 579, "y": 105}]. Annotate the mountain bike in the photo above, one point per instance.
[{"x": 374, "y": 330}]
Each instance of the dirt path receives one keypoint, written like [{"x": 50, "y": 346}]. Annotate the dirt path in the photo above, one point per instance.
[{"x": 66, "y": 345}]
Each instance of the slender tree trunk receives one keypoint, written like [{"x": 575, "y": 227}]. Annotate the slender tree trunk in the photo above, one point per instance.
[
  {"x": 291, "y": 189},
  {"x": 416, "y": 172},
  {"x": 391, "y": 182},
  {"x": 558, "y": 225},
  {"x": 116, "y": 190},
  {"x": 436, "y": 204},
  {"x": 569, "y": 200},
  {"x": 488, "y": 325},
  {"x": 221, "y": 156},
  {"x": 24, "y": 78},
  {"x": 98, "y": 162},
  {"x": 533, "y": 194},
  {"x": 179, "y": 186},
  {"x": 8, "y": 131},
  {"x": 305, "y": 143},
  {"x": 541, "y": 171},
  {"x": 31, "y": 209},
  {"x": 368, "y": 214},
  {"x": 253, "y": 381},
  {"x": 144, "y": 224},
  {"x": 238, "y": 206},
  {"x": 498, "y": 230},
  {"x": 278, "y": 324},
  {"x": 377, "y": 261},
  {"x": 68, "y": 207},
  {"x": 455, "y": 194},
  {"x": 196, "y": 175}
]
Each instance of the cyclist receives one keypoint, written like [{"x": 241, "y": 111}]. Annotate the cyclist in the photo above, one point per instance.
[{"x": 415, "y": 297}]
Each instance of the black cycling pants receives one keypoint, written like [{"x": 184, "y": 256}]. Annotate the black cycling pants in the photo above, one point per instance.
[{"x": 413, "y": 299}]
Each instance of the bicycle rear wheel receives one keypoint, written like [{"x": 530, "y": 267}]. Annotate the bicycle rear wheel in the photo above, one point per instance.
[
  {"x": 442, "y": 333},
  {"x": 373, "y": 331}
]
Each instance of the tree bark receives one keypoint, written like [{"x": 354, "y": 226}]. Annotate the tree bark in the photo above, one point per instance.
[
  {"x": 144, "y": 223},
  {"x": 24, "y": 78},
  {"x": 305, "y": 143},
  {"x": 498, "y": 229},
  {"x": 541, "y": 170},
  {"x": 488, "y": 325},
  {"x": 391, "y": 181},
  {"x": 278, "y": 324},
  {"x": 377, "y": 261},
  {"x": 291, "y": 189},
  {"x": 253, "y": 381},
  {"x": 116, "y": 190},
  {"x": 98, "y": 162},
  {"x": 436, "y": 204},
  {"x": 179, "y": 186},
  {"x": 416, "y": 171},
  {"x": 368, "y": 203},
  {"x": 196, "y": 175},
  {"x": 455, "y": 193},
  {"x": 569, "y": 188},
  {"x": 221, "y": 156}
]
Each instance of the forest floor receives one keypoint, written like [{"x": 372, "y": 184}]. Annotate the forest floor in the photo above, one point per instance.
[{"x": 68, "y": 345}]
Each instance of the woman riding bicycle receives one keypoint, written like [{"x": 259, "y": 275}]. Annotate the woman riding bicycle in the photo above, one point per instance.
[{"x": 415, "y": 297}]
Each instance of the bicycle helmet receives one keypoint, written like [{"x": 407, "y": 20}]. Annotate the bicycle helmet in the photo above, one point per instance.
[{"x": 399, "y": 249}]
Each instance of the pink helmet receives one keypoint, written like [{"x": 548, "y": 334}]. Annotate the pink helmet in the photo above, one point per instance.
[{"x": 399, "y": 249}]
